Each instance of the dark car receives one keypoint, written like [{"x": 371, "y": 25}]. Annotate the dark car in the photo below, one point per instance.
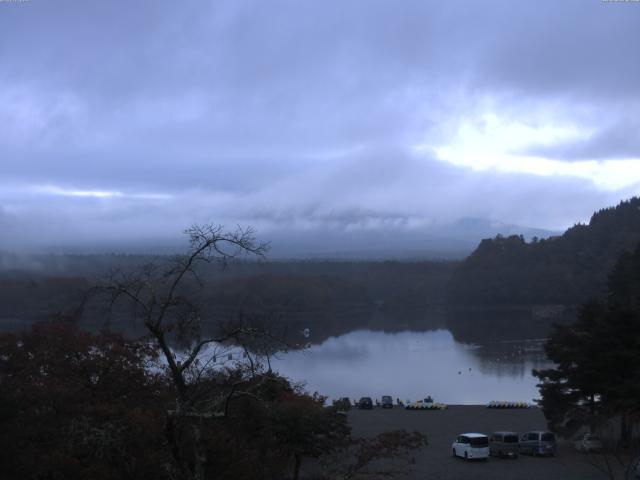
[
  {"x": 386, "y": 402},
  {"x": 504, "y": 444},
  {"x": 365, "y": 403},
  {"x": 538, "y": 443},
  {"x": 342, "y": 404}
]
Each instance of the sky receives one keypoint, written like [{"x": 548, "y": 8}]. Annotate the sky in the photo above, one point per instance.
[{"x": 128, "y": 121}]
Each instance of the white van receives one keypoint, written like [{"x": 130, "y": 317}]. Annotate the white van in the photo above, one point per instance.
[{"x": 471, "y": 446}]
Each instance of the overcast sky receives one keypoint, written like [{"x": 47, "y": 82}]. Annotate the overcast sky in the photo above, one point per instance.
[{"x": 133, "y": 119}]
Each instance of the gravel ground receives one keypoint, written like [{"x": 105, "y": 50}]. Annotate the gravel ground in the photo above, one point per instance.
[{"x": 434, "y": 461}]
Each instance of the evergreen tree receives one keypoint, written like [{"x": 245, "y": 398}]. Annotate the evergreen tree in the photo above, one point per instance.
[
  {"x": 597, "y": 372},
  {"x": 559, "y": 270}
]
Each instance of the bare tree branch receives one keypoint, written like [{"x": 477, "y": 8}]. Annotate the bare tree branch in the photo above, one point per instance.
[{"x": 164, "y": 303}]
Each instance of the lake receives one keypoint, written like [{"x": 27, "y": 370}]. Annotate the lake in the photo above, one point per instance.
[{"x": 414, "y": 364}]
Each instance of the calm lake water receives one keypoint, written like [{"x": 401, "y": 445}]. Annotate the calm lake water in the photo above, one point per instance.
[{"x": 412, "y": 365}]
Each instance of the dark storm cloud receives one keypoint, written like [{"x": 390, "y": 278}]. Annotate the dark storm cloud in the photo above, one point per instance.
[
  {"x": 578, "y": 49},
  {"x": 142, "y": 117}
]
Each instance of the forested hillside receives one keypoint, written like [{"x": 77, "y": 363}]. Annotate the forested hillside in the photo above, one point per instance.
[
  {"x": 559, "y": 270},
  {"x": 344, "y": 293}
]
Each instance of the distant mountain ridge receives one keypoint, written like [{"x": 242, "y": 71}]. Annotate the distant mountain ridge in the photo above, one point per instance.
[
  {"x": 439, "y": 240},
  {"x": 445, "y": 241},
  {"x": 566, "y": 269}
]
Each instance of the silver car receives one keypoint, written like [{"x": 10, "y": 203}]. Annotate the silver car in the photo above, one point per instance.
[{"x": 588, "y": 442}]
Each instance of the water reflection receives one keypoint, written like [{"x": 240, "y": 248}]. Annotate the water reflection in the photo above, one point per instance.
[
  {"x": 411, "y": 365},
  {"x": 511, "y": 358}
]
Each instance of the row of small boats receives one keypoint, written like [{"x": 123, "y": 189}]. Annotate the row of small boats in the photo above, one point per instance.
[
  {"x": 423, "y": 405},
  {"x": 503, "y": 404}
]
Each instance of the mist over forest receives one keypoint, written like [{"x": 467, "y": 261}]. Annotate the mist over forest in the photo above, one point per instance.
[
  {"x": 319, "y": 240},
  {"x": 506, "y": 281}
]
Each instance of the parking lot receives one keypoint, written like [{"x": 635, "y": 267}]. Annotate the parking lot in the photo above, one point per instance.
[{"x": 435, "y": 462}]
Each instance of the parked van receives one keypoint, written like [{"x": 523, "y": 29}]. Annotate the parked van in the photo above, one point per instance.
[
  {"x": 471, "y": 446},
  {"x": 504, "y": 444},
  {"x": 538, "y": 443}
]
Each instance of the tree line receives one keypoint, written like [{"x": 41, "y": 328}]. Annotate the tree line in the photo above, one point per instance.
[
  {"x": 559, "y": 270},
  {"x": 319, "y": 291}
]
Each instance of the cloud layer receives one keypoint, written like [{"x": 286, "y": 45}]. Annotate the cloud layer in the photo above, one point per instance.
[{"x": 131, "y": 120}]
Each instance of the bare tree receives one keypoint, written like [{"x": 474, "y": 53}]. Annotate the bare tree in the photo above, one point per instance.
[{"x": 162, "y": 298}]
